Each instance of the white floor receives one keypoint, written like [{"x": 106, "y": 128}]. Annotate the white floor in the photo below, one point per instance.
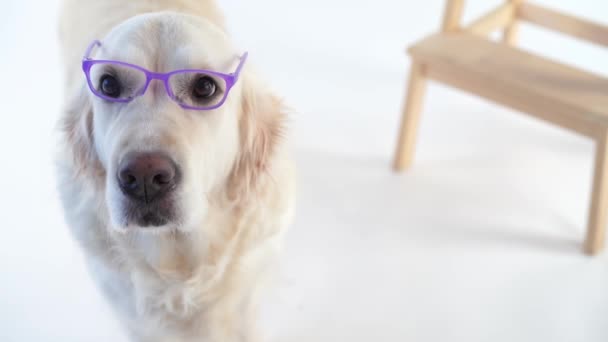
[{"x": 480, "y": 241}]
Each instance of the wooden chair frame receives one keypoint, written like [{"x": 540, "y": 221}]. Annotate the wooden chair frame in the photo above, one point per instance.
[{"x": 506, "y": 18}]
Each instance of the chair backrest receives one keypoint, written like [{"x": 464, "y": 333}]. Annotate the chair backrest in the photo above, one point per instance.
[
  {"x": 508, "y": 14},
  {"x": 453, "y": 14}
]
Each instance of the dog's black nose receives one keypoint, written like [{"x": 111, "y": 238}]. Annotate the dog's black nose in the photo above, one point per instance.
[{"x": 147, "y": 176}]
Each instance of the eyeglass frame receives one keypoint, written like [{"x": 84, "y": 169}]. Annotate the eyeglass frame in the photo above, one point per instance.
[{"x": 230, "y": 79}]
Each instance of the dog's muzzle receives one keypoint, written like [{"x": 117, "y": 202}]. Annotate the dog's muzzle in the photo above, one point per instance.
[{"x": 148, "y": 181}]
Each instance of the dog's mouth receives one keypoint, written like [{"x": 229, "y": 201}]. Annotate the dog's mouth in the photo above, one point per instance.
[
  {"x": 149, "y": 215},
  {"x": 152, "y": 219}
]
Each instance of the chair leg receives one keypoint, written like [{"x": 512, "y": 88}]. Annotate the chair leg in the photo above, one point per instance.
[
  {"x": 411, "y": 117},
  {"x": 598, "y": 212}
]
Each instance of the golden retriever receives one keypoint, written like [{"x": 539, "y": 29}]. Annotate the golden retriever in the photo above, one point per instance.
[{"x": 179, "y": 211}]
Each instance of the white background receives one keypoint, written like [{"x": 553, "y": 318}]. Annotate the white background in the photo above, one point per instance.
[{"x": 480, "y": 241}]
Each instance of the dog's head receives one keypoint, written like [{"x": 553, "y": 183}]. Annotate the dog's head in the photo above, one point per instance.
[{"x": 156, "y": 163}]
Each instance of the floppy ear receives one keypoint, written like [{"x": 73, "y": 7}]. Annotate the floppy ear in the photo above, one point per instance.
[
  {"x": 77, "y": 130},
  {"x": 261, "y": 126}
]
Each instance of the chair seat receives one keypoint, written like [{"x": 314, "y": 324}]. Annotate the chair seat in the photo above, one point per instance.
[{"x": 552, "y": 91}]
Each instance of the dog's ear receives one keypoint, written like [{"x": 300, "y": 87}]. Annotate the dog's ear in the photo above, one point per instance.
[
  {"x": 77, "y": 129},
  {"x": 261, "y": 125}
]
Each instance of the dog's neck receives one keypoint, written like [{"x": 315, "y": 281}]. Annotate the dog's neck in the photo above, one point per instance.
[{"x": 168, "y": 254}]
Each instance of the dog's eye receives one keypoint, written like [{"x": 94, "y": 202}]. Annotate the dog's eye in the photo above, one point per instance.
[
  {"x": 109, "y": 86},
  {"x": 203, "y": 88}
]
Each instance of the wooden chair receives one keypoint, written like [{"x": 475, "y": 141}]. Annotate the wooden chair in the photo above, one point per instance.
[{"x": 465, "y": 58}]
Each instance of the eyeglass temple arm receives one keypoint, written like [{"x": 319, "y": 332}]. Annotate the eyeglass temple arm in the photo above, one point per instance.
[
  {"x": 237, "y": 72},
  {"x": 90, "y": 48}
]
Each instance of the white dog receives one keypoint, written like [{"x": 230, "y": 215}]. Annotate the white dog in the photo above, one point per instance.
[{"x": 176, "y": 184}]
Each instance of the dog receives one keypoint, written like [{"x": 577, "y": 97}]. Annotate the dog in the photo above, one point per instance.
[{"x": 174, "y": 168}]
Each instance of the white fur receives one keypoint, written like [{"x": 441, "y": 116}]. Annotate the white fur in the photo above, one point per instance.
[{"x": 194, "y": 279}]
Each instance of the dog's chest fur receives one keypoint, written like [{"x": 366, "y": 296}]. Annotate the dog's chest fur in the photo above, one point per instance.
[{"x": 164, "y": 287}]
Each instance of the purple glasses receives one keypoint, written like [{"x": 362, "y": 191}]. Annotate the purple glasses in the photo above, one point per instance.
[{"x": 197, "y": 89}]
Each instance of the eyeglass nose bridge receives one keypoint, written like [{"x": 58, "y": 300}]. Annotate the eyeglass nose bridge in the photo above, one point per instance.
[{"x": 163, "y": 77}]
